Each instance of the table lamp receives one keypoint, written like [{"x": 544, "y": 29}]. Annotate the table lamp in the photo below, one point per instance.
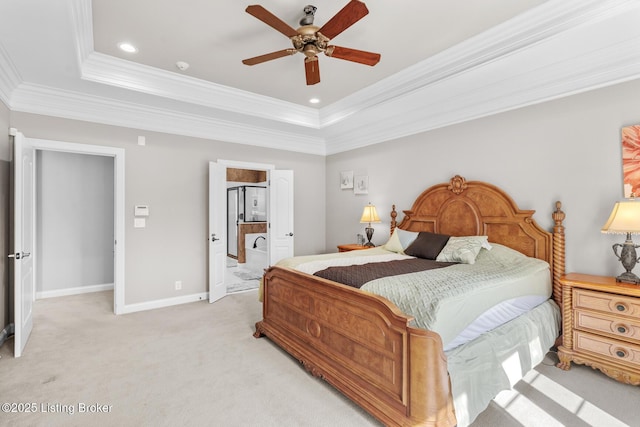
[
  {"x": 369, "y": 215},
  {"x": 625, "y": 219}
]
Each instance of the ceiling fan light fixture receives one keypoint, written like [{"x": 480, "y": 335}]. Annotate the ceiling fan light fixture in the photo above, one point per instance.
[
  {"x": 127, "y": 47},
  {"x": 311, "y": 40},
  {"x": 310, "y": 50}
]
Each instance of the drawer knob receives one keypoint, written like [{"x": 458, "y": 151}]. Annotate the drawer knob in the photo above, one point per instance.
[
  {"x": 622, "y": 329},
  {"x": 621, "y": 307},
  {"x": 620, "y": 353}
]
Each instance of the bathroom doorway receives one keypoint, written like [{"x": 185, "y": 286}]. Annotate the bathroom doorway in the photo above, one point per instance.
[
  {"x": 247, "y": 230},
  {"x": 279, "y": 225}
]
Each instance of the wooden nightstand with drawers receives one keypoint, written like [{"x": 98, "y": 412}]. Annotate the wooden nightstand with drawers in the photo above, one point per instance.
[
  {"x": 352, "y": 247},
  {"x": 601, "y": 326}
]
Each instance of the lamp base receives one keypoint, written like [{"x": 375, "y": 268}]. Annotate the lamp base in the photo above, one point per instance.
[
  {"x": 629, "y": 258},
  {"x": 369, "y": 231},
  {"x": 628, "y": 277}
]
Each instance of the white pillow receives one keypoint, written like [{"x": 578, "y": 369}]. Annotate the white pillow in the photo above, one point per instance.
[
  {"x": 406, "y": 237},
  {"x": 393, "y": 244},
  {"x": 462, "y": 249},
  {"x": 400, "y": 240}
]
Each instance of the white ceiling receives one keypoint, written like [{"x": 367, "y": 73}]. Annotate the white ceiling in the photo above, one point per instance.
[
  {"x": 214, "y": 37},
  {"x": 442, "y": 63}
]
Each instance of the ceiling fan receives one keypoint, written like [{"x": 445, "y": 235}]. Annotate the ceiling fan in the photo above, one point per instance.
[{"x": 311, "y": 40}]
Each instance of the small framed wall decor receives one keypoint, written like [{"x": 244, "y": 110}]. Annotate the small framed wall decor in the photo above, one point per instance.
[
  {"x": 631, "y": 160},
  {"x": 346, "y": 180},
  {"x": 361, "y": 184}
]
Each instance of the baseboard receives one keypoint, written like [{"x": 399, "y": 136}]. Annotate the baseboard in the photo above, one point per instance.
[
  {"x": 161, "y": 303},
  {"x": 74, "y": 291}
]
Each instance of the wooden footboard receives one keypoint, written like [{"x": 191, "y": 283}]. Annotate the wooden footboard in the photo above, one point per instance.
[{"x": 362, "y": 345}]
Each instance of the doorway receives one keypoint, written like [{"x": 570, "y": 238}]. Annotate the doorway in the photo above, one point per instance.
[
  {"x": 23, "y": 225},
  {"x": 277, "y": 231},
  {"x": 247, "y": 233},
  {"x": 74, "y": 223}
]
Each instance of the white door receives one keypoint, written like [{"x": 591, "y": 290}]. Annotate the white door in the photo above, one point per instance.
[
  {"x": 23, "y": 241},
  {"x": 217, "y": 230},
  {"x": 280, "y": 215}
]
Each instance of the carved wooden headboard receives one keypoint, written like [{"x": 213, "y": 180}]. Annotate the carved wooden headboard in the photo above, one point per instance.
[{"x": 469, "y": 208}]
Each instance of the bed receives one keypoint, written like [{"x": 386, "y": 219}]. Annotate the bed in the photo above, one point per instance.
[{"x": 366, "y": 347}]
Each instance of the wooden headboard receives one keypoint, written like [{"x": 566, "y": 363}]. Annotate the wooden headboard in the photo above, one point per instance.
[{"x": 470, "y": 208}]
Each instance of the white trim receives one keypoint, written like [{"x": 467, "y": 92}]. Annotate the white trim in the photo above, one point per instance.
[
  {"x": 119, "y": 203},
  {"x": 246, "y": 165},
  {"x": 55, "y": 102},
  {"x": 166, "y": 302},
  {"x": 9, "y": 76},
  {"x": 101, "y": 68},
  {"x": 82, "y": 27},
  {"x": 560, "y": 48},
  {"x": 74, "y": 291}
]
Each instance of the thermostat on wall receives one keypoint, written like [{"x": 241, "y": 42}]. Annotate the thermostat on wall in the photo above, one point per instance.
[{"x": 141, "y": 210}]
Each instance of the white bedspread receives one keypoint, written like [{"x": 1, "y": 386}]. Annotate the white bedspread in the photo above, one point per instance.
[{"x": 449, "y": 300}]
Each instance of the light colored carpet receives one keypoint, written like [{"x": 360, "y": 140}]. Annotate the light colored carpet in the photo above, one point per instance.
[{"x": 198, "y": 365}]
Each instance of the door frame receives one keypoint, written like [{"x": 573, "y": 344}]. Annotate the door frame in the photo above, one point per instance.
[
  {"x": 119, "y": 204},
  {"x": 242, "y": 165}
]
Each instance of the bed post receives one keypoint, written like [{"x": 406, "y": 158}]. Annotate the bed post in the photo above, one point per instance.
[
  {"x": 558, "y": 253},
  {"x": 393, "y": 224}
]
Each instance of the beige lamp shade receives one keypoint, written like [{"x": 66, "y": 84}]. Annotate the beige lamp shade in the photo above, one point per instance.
[
  {"x": 369, "y": 214},
  {"x": 624, "y": 218}
]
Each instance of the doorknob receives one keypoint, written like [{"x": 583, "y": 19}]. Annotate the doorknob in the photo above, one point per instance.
[
  {"x": 19, "y": 255},
  {"x": 213, "y": 237},
  {"x": 290, "y": 234}
]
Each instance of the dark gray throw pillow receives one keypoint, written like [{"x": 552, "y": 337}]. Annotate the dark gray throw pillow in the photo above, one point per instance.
[{"x": 427, "y": 245}]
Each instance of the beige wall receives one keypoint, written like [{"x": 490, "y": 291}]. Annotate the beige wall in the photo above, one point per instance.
[
  {"x": 4, "y": 215},
  {"x": 568, "y": 149},
  {"x": 170, "y": 174}
]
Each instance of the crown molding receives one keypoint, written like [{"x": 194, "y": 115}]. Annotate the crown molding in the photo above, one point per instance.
[
  {"x": 560, "y": 48},
  {"x": 574, "y": 62},
  {"x": 82, "y": 27},
  {"x": 9, "y": 76},
  {"x": 39, "y": 99},
  {"x": 118, "y": 72},
  {"x": 100, "y": 68},
  {"x": 520, "y": 33}
]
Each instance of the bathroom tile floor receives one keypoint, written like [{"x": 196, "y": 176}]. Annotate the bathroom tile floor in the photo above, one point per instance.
[{"x": 240, "y": 279}]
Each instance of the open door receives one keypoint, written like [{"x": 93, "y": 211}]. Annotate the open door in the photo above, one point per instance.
[
  {"x": 23, "y": 241},
  {"x": 217, "y": 230},
  {"x": 280, "y": 215}
]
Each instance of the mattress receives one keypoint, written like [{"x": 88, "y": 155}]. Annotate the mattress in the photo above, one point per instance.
[{"x": 458, "y": 302}]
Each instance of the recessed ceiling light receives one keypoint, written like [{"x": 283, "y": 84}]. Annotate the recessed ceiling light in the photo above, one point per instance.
[
  {"x": 182, "y": 66},
  {"x": 127, "y": 47},
  {"x": 314, "y": 100}
]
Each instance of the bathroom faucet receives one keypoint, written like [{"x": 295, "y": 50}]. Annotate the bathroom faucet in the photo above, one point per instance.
[{"x": 255, "y": 242}]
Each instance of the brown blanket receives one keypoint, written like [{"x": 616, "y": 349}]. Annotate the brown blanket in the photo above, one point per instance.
[{"x": 357, "y": 275}]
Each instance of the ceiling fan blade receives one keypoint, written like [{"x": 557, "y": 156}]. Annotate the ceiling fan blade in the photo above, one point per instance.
[
  {"x": 268, "y": 56},
  {"x": 271, "y": 20},
  {"x": 354, "y": 11},
  {"x": 312, "y": 70},
  {"x": 354, "y": 55}
]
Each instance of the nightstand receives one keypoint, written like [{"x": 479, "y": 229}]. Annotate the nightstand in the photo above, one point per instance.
[
  {"x": 352, "y": 247},
  {"x": 601, "y": 326}
]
